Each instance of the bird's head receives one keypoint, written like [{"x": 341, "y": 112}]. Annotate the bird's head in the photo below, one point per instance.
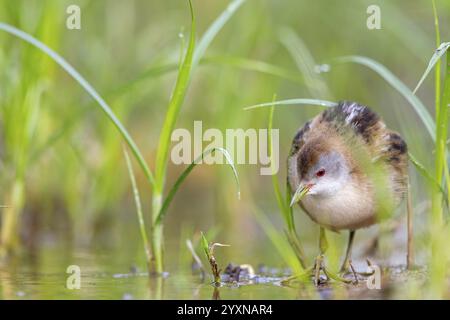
[{"x": 322, "y": 170}]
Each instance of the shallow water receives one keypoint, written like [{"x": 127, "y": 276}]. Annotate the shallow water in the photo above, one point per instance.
[
  {"x": 105, "y": 285},
  {"x": 108, "y": 276},
  {"x": 103, "y": 276}
]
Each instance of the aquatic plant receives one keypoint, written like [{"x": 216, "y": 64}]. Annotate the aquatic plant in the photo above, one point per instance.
[{"x": 156, "y": 180}]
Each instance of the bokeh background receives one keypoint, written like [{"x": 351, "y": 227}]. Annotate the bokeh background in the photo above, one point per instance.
[{"x": 65, "y": 157}]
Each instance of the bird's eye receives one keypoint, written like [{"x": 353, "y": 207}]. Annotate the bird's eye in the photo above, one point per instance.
[{"x": 320, "y": 173}]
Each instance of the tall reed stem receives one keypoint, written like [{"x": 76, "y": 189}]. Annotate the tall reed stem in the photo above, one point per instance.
[
  {"x": 156, "y": 266},
  {"x": 9, "y": 240},
  {"x": 438, "y": 254}
]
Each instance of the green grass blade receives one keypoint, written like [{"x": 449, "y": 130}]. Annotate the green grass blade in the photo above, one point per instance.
[
  {"x": 275, "y": 184},
  {"x": 86, "y": 86},
  {"x": 447, "y": 181},
  {"x": 437, "y": 71},
  {"x": 317, "y": 102},
  {"x": 305, "y": 63},
  {"x": 392, "y": 80},
  {"x": 214, "y": 29},
  {"x": 234, "y": 61},
  {"x": 137, "y": 201},
  {"x": 278, "y": 240},
  {"x": 283, "y": 204},
  {"x": 185, "y": 174},
  {"x": 440, "y": 51},
  {"x": 174, "y": 107},
  {"x": 424, "y": 172},
  {"x": 442, "y": 121},
  {"x": 287, "y": 204},
  {"x": 153, "y": 71},
  {"x": 255, "y": 65},
  {"x": 65, "y": 128},
  {"x": 192, "y": 58},
  {"x": 205, "y": 244}
]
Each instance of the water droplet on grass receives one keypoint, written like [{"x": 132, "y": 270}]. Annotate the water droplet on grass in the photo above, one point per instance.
[{"x": 322, "y": 68}]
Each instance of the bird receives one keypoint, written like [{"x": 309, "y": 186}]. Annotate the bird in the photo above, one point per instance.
[{"x": 347, "y": 171}]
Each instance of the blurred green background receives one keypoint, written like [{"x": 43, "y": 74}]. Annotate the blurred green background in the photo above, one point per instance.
[{"x": 76, "y": 195}]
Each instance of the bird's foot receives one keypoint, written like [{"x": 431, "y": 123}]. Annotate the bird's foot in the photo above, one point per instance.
[
  {"x": 348, "y": 269},
  {"x": 319, "y": 265},
  {"x": 304, "y": 276},
  {"x": 315, "y": 272}
]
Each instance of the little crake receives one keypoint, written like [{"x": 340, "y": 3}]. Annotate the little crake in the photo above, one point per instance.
[{"x": 346, "y": 168}]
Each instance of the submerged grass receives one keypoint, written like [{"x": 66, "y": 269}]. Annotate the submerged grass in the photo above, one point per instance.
[{"x": 137, "y": 200}]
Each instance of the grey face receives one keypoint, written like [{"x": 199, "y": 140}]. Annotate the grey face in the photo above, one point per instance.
[{"x": 328, "y": 175}]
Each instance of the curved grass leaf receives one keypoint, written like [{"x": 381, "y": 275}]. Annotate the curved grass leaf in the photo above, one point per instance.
[
  {"x": 241, "y": 63},
  {"x": 234, "y": 61},
  {"x": 437, "y": 70},
  {"x": 187, "y": 171},
  {"x": 301, "y": 101},
  {"x": 86, "y": 86},
  {"x": 305, "y": 62},
  {"x": 154, "y": 71},
  {"x": 137, "y": 201},
  {"x": 192, "y": 58},
  {"x": 285, "y": 210},
  {"x": 442, "y": 127},
  {"x": 283, "y": 204},
  {"x": 276, "y": 186},
  {"x": 255, "y": 65},
  {"x": 390, "y": 78},
  {"x": 199, "y": 52},
  {"x": 278, "y": 240},
  {"x": 424, "y": 172},
  {"x": 174, "y": 107},
  {"x": 65, "y": 128},
  {"x": 440, "y": 51},
  {"x": 214, "y": 29}
]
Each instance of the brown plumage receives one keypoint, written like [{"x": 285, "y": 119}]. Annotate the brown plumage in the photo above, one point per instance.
[
  {"x": 349, "y": 168},
  {"x": 355, "y": 143}
]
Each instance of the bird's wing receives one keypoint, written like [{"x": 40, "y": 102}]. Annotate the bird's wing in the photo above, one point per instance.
[
  {"x": 385, "y": 146},
  {"x": 300, "y": 138},
  {"x": 394, "y": 152},
  {"x": 363, "y": 121}
]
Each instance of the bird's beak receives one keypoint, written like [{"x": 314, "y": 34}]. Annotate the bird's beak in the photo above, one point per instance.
[{"x": 301, "y": 191}]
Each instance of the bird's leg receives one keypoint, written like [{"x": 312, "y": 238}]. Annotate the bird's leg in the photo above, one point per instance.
[
  {"x": 348, "y": 254},
  {"x": 323, "y": 243},
  {"x": 319, "y": 263},
  {"x": 347, "y": 266},
  {"x": 317, "y": 267},
  {"x": 410, "y": 252}
]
